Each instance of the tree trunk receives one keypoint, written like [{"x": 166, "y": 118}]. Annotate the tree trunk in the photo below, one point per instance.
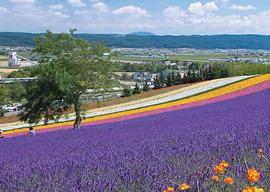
[{"x": 78, "y": 119}]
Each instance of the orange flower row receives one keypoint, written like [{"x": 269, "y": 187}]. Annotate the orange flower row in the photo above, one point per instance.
[{"x": 252, "y": 176}]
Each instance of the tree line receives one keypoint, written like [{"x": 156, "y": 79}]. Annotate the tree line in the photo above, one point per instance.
[{"x": 195, "y": 73}]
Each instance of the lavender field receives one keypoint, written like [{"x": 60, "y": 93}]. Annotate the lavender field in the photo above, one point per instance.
[{"x": 145, "y": 154}]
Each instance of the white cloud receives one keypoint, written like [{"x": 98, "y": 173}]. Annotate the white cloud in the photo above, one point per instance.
[
  {"x": 199, "y": 8},
  {"x": 214, "y": 23},
  {"x": 242, "y": 7},
  {"x": 59, "y": 14},
  {"x": 132, "y": 11},
  {"x": 173, "y": 12},
  {"x": 56, "y": 7},
  {"x": 100, "y": 7},
  {"x": 76, "y": 3},
  {"x": 23, "y": 1},
  {"x": 3, "y": 10},
  {"x": 198, "y": 18},
  {"x": 81, "y": 12},
  {"x": 223, "y": 3}
]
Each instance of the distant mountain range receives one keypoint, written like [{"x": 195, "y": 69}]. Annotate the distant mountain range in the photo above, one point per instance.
[
  {"x": 149, "y": 40},
  {"x": 142, "y": 33}
]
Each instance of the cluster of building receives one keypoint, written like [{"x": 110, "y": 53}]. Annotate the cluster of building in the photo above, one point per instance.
[
  {"x": 242, "y": 60},
  {"x": 189, "y": 51},
  {"x": 6, "y": 49},
  {"x": 230, "y": 55}
]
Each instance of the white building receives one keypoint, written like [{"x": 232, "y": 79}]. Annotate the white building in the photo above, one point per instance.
[{"x": 13, "y": 60}]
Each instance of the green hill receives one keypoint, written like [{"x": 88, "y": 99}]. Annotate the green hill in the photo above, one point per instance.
[
  {"x": 142, "y": 41},
  {"x": 142, "y": 33}
]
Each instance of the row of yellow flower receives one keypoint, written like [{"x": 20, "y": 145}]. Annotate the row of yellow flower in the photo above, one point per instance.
[
  {"x": 211, "y": 94},
  {"x": 252, "y": 176}
]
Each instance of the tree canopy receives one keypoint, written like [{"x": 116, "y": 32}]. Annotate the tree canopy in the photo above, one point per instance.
[{"x": 68, "y": 68}]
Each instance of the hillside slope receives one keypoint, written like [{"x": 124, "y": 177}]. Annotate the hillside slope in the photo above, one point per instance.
[{"x": 147, "y": 153}]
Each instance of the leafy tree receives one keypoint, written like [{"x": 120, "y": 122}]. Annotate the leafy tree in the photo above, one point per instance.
[
  {"x": 169, "y": 81},
  {"x": 185, "y": 78},
  {"x": 126, "y": 92},
  {"x": 146, "y": 87},
  {"x": 68, "y": 68},
  {"x": 2, "y": 112},
  {"x": 173, "y": 78},
  {"x": 192, "y": 76},
  {"x": 125, "y": 77},
  {"x": 178, "y": 79},
  {"x": 136, "y": 89},
  {"x": 45, "y": 98},
  {"x": 17, "y": 92},
  {"x": 162, "y": 79},
  {"x": 4, "y": 95},
  {"x": 157, "y": 83}
]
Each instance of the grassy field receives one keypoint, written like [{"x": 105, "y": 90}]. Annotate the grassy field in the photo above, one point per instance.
[
  {"x": 4, "y": 68},
  {"x": 182, "y": 57},
  {"x": 197, "y": 57},
  {"x": 3, "y": 61},
  {"x": 137, "y": 59},
  {"x": 174, "y": 57}
]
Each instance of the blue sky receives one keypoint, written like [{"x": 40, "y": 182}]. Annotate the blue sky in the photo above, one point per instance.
[{"x": 174, "y": 17}]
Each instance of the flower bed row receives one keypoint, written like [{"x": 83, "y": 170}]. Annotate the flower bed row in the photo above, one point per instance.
[
  {"x": 138, "y": 112},
  {"x": 208, "y": 85}
]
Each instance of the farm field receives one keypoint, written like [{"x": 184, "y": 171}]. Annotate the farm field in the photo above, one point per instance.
[
  {"x": 150, "y": 152},
  {"x": 7, "y": 70},
  {"x": 122, "y": 58},
  {"x": 184, "y": 57},
  {"x": 174, "y": 57},
  {"x": 3, "y": 59},
  {"x": 3, "y": 63},
  {"x": 197, "y": 57}
]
